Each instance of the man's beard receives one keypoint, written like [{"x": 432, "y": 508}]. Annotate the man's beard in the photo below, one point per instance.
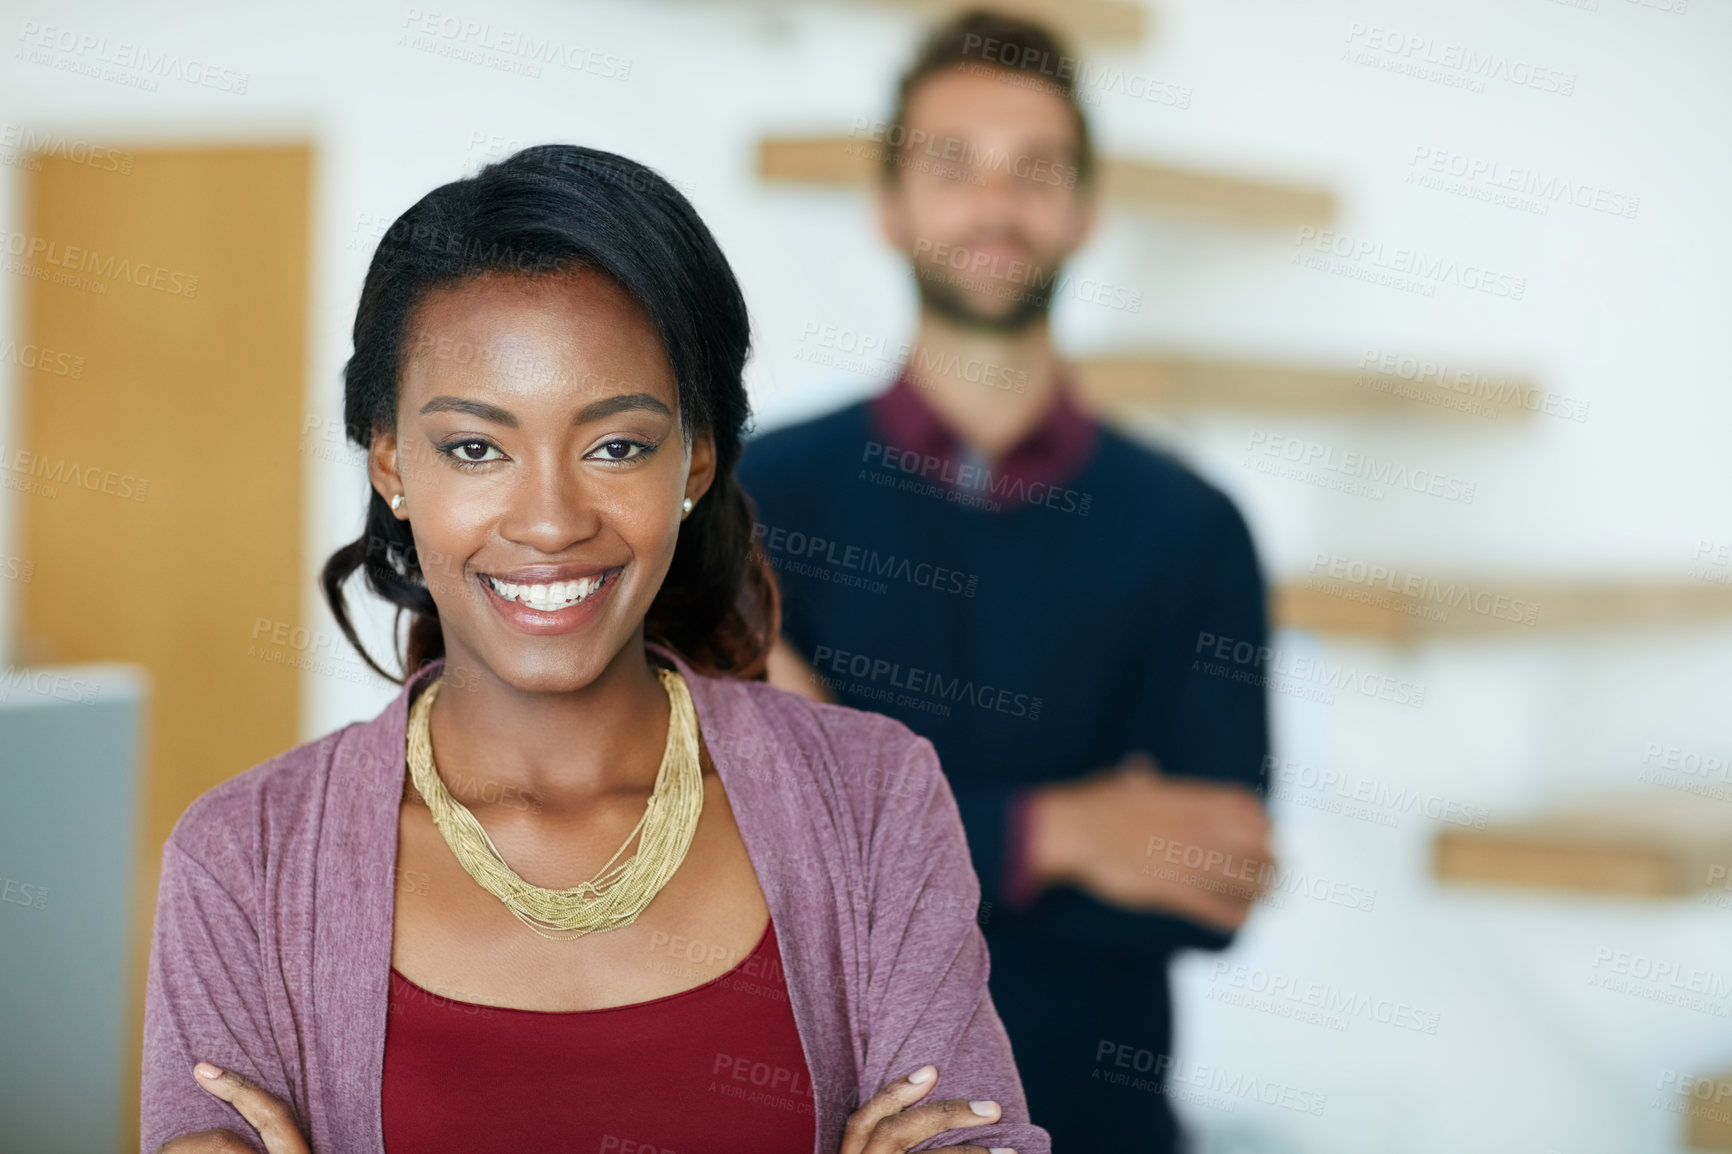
[{"x": 940, "y": 294}]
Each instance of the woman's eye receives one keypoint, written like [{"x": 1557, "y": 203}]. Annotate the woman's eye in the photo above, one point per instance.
[
  {"x": 473, "y": 452},
  {"x": 622, "y": 450}
]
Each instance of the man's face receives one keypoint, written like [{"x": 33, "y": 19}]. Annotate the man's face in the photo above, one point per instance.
[{"x": 987, "y": 204}]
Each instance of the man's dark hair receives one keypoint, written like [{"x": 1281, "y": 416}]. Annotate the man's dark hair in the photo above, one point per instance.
[{"x": 977, "y": 40}]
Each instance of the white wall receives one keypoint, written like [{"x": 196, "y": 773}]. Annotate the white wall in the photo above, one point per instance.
[{"x": 1620, "y": 313}]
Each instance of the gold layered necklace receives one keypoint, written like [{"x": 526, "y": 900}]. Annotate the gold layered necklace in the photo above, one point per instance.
[{"x": 616, "y": 895}]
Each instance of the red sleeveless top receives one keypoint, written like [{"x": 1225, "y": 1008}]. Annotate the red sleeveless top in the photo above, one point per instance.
[{"x": 716, "y": 1068}]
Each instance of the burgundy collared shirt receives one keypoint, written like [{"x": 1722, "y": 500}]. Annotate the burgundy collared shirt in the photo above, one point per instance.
[{"x": 1052, "y": 452}]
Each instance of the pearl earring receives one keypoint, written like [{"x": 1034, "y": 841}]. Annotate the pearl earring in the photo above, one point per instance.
[
  {"x": 687, "y": 506},
  {"x": 397, "y": 502}
]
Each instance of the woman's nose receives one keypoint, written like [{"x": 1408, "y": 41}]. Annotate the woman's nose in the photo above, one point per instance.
[{"x": 551, "y": 509}]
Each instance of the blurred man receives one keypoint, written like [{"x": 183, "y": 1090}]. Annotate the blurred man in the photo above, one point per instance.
[{"x": 1047, "y": 601}]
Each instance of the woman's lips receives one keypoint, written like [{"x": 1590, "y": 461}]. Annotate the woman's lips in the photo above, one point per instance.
[{"x": 543, "y": 608}]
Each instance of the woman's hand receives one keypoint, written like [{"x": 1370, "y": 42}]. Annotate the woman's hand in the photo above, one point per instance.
[
  {"x": 263, "y": 1110},
  {"x": 890, "y": 1123}
]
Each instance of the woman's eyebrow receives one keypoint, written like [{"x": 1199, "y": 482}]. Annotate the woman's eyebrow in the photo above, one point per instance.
[
  {"x": 594, "y": 411},
  {"x": 608, "y": 406},
  {"x": 480, "y": 409}
]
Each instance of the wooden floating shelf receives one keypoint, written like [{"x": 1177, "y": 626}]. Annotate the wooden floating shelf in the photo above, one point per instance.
[
  {"x": 1471, "y": 607},
  {"x": 1084, "y": 19},
  {"x": 848, "y": 161},
  {"x": 1177, "y": 381},
  {"x": 1646, "y": 846},
  {"x": 1146, "y": 184}
]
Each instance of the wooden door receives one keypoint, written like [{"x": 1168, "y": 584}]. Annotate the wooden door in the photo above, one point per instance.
[{"x": 159, "y": 485}]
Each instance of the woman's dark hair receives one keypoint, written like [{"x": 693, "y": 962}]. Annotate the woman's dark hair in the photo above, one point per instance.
[{"x": 551, "y": 209}]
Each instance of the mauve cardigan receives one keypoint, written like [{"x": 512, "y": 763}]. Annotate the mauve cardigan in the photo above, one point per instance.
[{"x": 271, "y": 951}]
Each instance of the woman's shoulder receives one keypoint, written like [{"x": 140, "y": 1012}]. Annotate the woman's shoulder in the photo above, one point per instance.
[
  {"x": 845, "y": 750},
  {"x": 238, "y": 821}
]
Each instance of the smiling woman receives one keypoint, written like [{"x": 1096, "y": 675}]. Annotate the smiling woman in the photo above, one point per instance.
[
  {"x": 677, "y": 909},
  {"x": 562, "y": 274}
]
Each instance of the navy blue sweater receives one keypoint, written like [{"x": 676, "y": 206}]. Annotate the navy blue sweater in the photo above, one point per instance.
[{"x": 1034, "y": 636}]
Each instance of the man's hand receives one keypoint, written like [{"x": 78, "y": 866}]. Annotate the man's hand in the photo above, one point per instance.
[{"x": 1134, "y": 838}]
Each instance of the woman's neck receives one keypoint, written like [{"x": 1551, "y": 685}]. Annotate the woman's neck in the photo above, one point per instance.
[{"x": 563, "y": 749}]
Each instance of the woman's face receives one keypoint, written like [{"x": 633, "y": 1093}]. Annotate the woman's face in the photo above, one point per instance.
[{"x": 539, "y": 453}]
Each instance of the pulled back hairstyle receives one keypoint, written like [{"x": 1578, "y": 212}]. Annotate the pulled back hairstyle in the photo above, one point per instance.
[{"x": 550, "y": 209}]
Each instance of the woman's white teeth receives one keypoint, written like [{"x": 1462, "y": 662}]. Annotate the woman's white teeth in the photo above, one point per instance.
[{"x": 559, "y": 595}]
